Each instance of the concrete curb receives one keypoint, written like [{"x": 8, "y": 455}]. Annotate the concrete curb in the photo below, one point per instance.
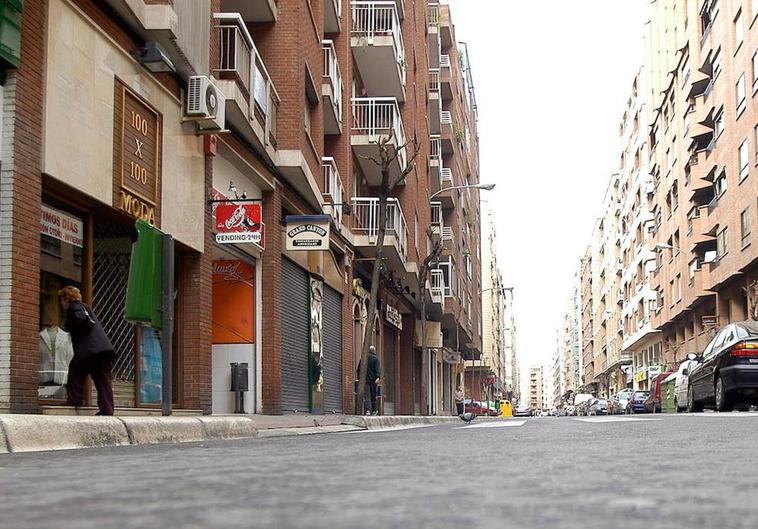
[{"x": 30, "y": 433}]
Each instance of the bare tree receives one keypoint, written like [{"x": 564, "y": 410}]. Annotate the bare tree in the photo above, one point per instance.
[{"x": 387, "y": 156}]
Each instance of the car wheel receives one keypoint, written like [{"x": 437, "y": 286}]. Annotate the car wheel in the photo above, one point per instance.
[
  {"x": 723, "y": 403},
  {"x": 692, "y": 405}
]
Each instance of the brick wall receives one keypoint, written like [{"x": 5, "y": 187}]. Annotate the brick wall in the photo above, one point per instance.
[{"x": 271, "y": 338}]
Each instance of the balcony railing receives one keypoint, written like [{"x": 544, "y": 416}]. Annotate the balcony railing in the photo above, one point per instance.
[
  {"x": 332, "y": 75},
  {"x": 379, "y": 19},
  {"x": 235, "y": 53},
  {"x": 433, "y": 12},
  {"x": 333, "y": 188},
  {"x": 447, "y": 233},
  {"x": 378, "y": 116},
  {"x": 446, "y": 174},
  {"x": 438, "y": 284},
  {"x": 434, "y": 80},
  {"x": 366, "y": 210},
  {"x": 446, "y": 118},
  {"x": 444, "y": 61}
]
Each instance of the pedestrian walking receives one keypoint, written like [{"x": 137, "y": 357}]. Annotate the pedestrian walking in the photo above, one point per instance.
[
  {"x": 373, "y": 372},
  {"x": 459, "y": 399},
  {"x": 93, "y": 352}
]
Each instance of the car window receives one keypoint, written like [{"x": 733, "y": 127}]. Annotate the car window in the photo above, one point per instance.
[
  {"x": 747, "y": 330},
  {"x": 716, "y": 344}
]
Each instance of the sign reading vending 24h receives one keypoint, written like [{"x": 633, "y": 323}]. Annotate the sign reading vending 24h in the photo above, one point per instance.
[{"x": 238, "y": 223}]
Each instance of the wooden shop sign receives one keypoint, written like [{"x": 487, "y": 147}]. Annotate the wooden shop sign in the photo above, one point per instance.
[{"x": 137, "y": 143}]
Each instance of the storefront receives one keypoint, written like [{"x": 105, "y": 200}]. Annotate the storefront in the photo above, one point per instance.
[
  {"x": 392, "y": 325},
  {"x": 113, "y": 153}
]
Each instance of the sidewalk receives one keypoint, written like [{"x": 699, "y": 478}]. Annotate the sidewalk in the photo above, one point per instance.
[{"x": 30, "y": 433}]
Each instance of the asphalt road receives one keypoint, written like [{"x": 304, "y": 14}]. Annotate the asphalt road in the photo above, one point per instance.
[{"x": 681, "y": 471}]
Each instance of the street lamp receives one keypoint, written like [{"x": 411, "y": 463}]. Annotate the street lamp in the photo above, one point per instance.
[
  {"x": 664, "y": 246},
  {"x": 483, "y": 187},
  {"x": 500, "y": 289}
]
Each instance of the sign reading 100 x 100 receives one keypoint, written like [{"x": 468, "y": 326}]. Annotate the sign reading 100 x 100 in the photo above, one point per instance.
[{"x": 137, "y": 144}]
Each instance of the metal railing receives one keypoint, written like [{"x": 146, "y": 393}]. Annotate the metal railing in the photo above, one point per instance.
[
  {"x": 235, "y": 52},
  {"x": 446, "y": 174},
  {"x": 333, "y": 188},
  {"x": 333, "y": 75},
  {"x": 447, "y": 233},
  {"x": 444, "y": 60},
  {"x": 366, "y": 211},
  {"x": 379, "y": 19},
  {"x": 438, "y": 284},
  {"x": 433, "y": 13},
  {"x": 434, "y": 80},
  {"x": 377, "y": 116},
  {"x": 446, "y": 117}
]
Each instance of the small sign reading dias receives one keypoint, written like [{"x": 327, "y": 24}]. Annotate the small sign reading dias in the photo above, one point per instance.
[
  {"x": 61, "y": 226},
  {"x": 307, "y": 232}
]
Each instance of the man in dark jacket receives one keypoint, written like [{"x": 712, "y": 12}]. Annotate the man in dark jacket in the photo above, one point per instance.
[
  {"x": 373, "y": 373},
  {"x": 93, "y": 352}
]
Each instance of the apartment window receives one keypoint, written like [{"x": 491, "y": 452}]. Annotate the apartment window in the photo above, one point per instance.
[
  {"x": 754, "y": 4},
  {"x": 678, "y": 287},
  {"x": 739, "y": 31},
  {"x": 721, "y": 246},
  {"x": 694, "y": 267},
  {"x": 719, "y": 185},
  {"x": 675, "y": 195},
  {"x": 447, "y": 277},
  {"x": 745, "y": 227},
  {"x": 717, "y": 62},
  {"x": 743, "y": 161},
  {"x": 415, "y": 232},
  {"x": 718, "y": 123},
  {"x": 307, "y": 117},
  {"x": 755, "y": 67},
  {"x": 740, "y": 92}
]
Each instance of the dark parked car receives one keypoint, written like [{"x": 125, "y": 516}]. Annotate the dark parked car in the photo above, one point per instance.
[
  {"x": 598, "y": 407},
  {"x": 637, "y": 402},
  {"x": 726, "y": 374},
  {"x": 653, "y": 401}
]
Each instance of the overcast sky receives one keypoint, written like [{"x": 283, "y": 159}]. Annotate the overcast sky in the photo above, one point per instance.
[{"x": 551, "y": 80}]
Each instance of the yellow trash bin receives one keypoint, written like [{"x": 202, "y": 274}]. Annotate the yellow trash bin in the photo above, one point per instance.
[{"x": 506, "y": 408}]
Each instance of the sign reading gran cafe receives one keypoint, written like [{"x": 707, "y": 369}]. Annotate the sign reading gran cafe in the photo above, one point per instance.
[{"x": 137, "y": 140}]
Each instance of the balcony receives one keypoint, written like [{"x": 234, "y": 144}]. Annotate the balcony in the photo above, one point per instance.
[
  {"x": 333, "y": 190},
  {"x": 437, "y": 222},
  {"x": 447, "y": 132},
  {"x": 251, "y": 98},
  {"x": 435, "y": 103},
  {"x": 437, "y": 289},
  {"x": 376, "y": 119},
  {"x": 698, "y": 226},
  {"x": 377, "y": 43},
  {"x": 252, "y": 10},
  {"x": 332, "y": 16},
  {"x": 446, "y": 31},
  {"x": 435, "y": 162},
  {"x": 366, "y": 229},
  {"x": 433, "y": 35},
  {"x": 446, "y": 78},
  {"x": 331, "y": 90}
]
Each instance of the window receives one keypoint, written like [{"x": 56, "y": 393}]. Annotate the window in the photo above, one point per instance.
[
  {"x": 755, "y": 66},
  {"x": 719, "y": 185},
  {"x": 739, "y": 31},
  {"x": 745, "y": 227},
  {"x": 307, "y": 117},
  {"x": 717, "y": 62},
  {"x": 740, "y": 92},
  {"x": 721, "y": 246},
  {"x": 675, "y": 195},
  {"x": 743, "y": 161},
  {"x": 755, "y": 7},
  {"x": 415, "y": 232},
  {"x": 447, "y": 277},
  {"x": 718, "y": 123}
]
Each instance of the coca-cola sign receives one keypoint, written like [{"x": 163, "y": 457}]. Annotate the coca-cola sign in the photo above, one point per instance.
[{"x": 238, "y": 223}]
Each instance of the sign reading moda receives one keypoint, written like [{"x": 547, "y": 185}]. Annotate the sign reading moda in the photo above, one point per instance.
[
  {"x": 307, "y": 232},
  {"x": 238, "y": 223}
]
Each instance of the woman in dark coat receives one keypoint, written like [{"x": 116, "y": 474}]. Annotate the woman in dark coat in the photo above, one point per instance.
[{"x": 93, "y": 352}]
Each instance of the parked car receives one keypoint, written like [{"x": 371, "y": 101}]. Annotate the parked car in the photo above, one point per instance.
[
  {"x": 615, "y": 407},
  {"x": 637, "y": 402},
  {"x": 598, "y": 407},
  {"x": 726, "y": 374},
  {"x": 653, "y": 400},
  {"x": 581, "y": 402},
  {"x": 681, "y": 385},
  {"x": 570, "y": 411},
  {"x": 522, "y": 411},
  {"x": 479, "y": 408},
  {"x": 622, "y": 399}
]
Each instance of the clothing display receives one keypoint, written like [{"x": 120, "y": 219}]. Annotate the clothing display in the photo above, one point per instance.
[{"x": 55, "y": 353}]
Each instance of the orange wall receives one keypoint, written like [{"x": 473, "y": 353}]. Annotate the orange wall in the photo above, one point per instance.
[{"x": 233, "y": 301}]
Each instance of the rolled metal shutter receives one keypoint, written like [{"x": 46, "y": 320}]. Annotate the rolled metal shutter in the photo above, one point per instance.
[
  {"x": 295, "y": 314},
  {"x": 333, "y": 380}
]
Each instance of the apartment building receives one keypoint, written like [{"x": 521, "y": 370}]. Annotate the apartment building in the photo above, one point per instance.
[
  {"x": 536, "y": 388},
  {"x": 192, "y": 114},
  {"x": 570, "y": 342},
  {"x": 703, "y": 145},
  {"x": 512, "y": 381},
  {"x": 557, "y": 373},
  {"x": 587, "y": 323},
  {"x": 494, "y": 361}
]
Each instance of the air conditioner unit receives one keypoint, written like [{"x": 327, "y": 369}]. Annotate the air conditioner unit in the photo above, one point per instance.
[{"x": 206, "y": 104}]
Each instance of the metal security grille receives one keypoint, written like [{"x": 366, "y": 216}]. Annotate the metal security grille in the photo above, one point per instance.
[
  {"x": 333, "y": 379},
  {"x": 295, "y": 314},
  {"x": 111, "y": 254}
]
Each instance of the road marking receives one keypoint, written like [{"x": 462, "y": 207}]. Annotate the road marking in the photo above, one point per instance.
[
  {"x": 394, "y": 428},
  {"x": 615, "y": 419},
  {"x": 494, "y": 424}
]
